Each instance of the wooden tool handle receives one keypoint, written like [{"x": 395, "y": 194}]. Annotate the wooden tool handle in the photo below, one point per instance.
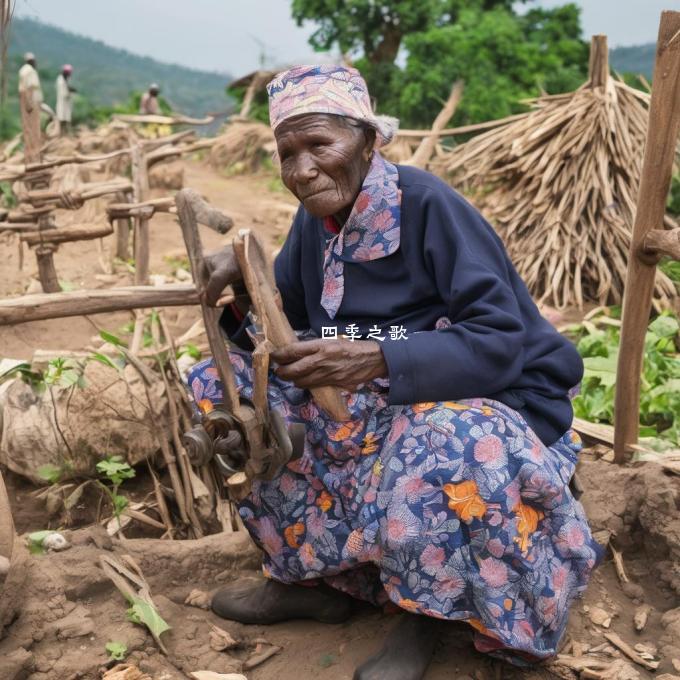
[
  {"x": 188, "y": 204},
  {"x": 258, "y": 276}
]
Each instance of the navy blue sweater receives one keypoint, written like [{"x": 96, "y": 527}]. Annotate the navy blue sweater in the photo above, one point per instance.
[{"x": 450, "y": 263}]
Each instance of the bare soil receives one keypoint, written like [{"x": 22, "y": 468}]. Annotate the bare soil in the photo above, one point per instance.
[{"x": 58, "y": 611}]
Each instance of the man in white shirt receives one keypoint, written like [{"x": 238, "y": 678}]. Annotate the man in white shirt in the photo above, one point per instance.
[{"x": 29, "y": 81}]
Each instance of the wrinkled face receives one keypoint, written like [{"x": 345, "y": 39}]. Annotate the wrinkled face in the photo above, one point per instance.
[{"x": 324, "y": 160}]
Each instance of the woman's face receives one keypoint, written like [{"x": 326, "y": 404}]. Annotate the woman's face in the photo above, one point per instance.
[{"x": 324, "y": 161}]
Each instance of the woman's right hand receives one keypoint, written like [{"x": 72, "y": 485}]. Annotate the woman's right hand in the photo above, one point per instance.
[{"x": 222, "y": 270}]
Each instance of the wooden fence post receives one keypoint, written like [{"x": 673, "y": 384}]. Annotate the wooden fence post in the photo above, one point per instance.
[
  {"x": 140, "y": 180},
  {"x": 30, "y": 122},
  {"x": 662, "y": 135}
]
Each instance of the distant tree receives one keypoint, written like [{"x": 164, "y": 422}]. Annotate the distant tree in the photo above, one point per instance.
[
  {"x": 378, "y": 27},
  {"x": 503, "y": 56}
]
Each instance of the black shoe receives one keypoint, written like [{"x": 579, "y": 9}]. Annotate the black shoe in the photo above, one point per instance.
[
  {"x": 407, "y": 651},
  {"x": 264, "y": 602}
]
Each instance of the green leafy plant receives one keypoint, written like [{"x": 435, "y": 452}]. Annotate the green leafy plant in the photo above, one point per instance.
[
  {"x": 64, "y": 373},
  {"x": 35, "y": 541},
  {"x": 115, "y": 470},
  {"x": 50, "y": 473},
  {"x": 116, "y": 650},
  {"x": 7, "y": 197},
  {"x": 598, "y": 343},
  {"x": 144, "y": 613},
  {"x": 191, "y": 350}
]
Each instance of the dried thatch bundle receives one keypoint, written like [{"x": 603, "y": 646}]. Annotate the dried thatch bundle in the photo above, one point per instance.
[
  {"x": 243, "y": 142},
  {"x": 560, "y": 185}
]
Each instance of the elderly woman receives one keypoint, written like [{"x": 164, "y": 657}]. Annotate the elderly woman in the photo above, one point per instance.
[{"x": 447, "y": 493}]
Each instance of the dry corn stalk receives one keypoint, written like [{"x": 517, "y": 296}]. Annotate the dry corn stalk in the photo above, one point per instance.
[{"x": 560, "y": 185}]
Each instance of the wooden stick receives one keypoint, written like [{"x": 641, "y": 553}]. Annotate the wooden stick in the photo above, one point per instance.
[
  {"x": 598, "y": 66},
  {"x": 144, "y": 208},
  {"x": 259, "y": 279},
  {"x": 66, "y": 234},
  {"x": 151, "y": 144},
  {"x": 123, "y": 225},
  {"x": 46, "y": 271},
  {"x": 463, "y": 129},
  {"x": 662, "y": 135},
  {"x": 12, "y": 173},
  {"x": 182, "y": 458},
  {"x": 7, "y": 532},
  {"x": 423, "y": 153},
  {"x": 18, "y": 226},
  {"x": 83, "y": 193},
  {"x": 30, "y": 123},
  {"x": 140, "y": 192},
  {"x": 662, "y": 242},
  {"x": 80, "y": 302},
  {"x": 628, "y": 650},
  {"x": 188, "y": 203},
  {"x": 164, "y": 153},
  {"x": 151, "y": 119},
  {"x": 618, "y": 564}
]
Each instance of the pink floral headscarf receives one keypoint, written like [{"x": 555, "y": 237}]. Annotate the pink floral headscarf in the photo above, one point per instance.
[{"x": 337, "y": 90}]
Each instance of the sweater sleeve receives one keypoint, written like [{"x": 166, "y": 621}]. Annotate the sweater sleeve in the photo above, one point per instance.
[
  {"x": 288, "y": 274},
  {"x": 481, "y": 352}
]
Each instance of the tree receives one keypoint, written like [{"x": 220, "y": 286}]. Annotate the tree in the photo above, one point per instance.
[{"x": 377, "y": 27}]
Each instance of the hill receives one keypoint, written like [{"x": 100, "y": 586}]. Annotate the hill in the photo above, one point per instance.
[
  {"x": 105, "y": 75},
  {"x": 635, "y": 59}
]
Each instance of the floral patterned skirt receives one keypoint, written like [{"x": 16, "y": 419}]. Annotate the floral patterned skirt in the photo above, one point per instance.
[{"x": 452, "y": 509}]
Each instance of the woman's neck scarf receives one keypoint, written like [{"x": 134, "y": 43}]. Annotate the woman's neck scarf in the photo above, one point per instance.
[{"x": 372, "y": 230}]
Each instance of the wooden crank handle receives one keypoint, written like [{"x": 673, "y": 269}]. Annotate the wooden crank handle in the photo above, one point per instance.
[
  {"x": 259, "y": 279},
  {"x": 205, "y": 214}
]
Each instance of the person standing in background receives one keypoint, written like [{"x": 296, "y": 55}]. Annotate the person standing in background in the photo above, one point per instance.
[
  {"x": 64, "y": 99},
  {"x": 31, "y": 100},
  {"x": 149, "y": 102}
]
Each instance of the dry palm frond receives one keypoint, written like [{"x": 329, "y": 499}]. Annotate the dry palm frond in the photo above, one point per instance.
[
  {"x": 560, "y": 186},
  {"x": 243, "y": 142}
]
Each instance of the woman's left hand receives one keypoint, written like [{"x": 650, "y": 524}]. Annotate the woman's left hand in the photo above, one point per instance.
[{"x": 340, "y": 363}]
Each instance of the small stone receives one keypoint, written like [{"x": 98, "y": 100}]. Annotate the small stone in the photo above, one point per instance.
[
  {"x": 641, "y": 615},
  {"x": 55, "y": 542},
  {"x": 221, "y": 640},
  {"x": 633, "y": 591},
  {"x": 676, "y": 664},
  {"x": 182, "y": 274},
  {"x": 600, "y": 617},
  {"x": 4, "y": 565}
]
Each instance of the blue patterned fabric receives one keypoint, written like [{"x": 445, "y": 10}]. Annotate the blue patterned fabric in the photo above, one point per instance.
[{"x": 452, "y": 509}]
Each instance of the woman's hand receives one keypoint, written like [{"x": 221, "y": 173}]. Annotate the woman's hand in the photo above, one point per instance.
[
  {"x": 222, "y": 270},
  {"x": 340, "y": 363}
]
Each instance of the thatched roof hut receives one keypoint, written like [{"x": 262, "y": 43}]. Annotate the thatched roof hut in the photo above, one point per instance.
[{"x": 560, "y": 185}]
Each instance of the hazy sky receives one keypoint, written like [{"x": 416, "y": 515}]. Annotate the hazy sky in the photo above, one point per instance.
[{"x": 221, "y": 35}]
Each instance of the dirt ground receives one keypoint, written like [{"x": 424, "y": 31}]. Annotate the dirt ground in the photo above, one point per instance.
[
  {"x": 59, "y": 610},
  {"x": 69, "y": 610}
]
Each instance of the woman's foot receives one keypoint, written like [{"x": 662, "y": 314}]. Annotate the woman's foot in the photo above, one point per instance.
[
  {"x": 407, "y": 651},
  {"x": 263, "y": 602}
]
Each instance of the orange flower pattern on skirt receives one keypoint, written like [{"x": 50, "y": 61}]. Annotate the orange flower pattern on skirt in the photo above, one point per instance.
[
  {"x": 465, "y": 501},
  {"x": 454, "y": 510}
]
